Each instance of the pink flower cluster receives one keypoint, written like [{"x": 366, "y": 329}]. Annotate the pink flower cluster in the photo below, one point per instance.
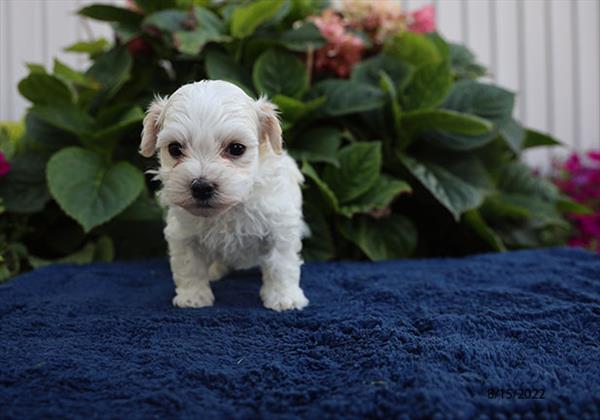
[
  {"x": 378, "y": 20},
  {"x": 4, "y": 165},
  {"x": 343, "y": 49},
  {"x": 580, "y": 180}
]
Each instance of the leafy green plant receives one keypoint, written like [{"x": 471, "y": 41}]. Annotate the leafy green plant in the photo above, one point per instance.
[{"x": 410, "y": 155}]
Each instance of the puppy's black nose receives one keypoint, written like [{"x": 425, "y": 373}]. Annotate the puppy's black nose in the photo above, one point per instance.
[{"x": 202, "y": 190}]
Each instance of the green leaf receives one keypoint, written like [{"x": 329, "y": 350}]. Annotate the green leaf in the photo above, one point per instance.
[
  {"x": 486, "y": 101},
  {"x": 360, "y": 166},
  {"x": 464, "y": 64},
  {"x": 118, "y": 119},
  {"x": 513, "y": 134},
  {"x": 450, "y": 191},
  {"x": 151, "y": 6},
  {"x": 45, "y": 89},
  {"x": 382, "y": 239},
  {"x": 303, "y": 38},
  {"x": 428, "y": 87},
  {"x": 387, "y": 85},
  {"x": 536, "y": 139},
  {"x": 83, "y": 256},
  {"x": 89, "y": 189},
  {"x": 293, "y": 109},
  {"x": 318, "y": 246},
  {"x": 220, "y": 66},
  {"x": 68, "y": 118},
  {"x": 518, "y": 178},
  {"x": 144, "y": 208},
  {"x": 444, "y": 120},
  {"x": 246, "y": 18},
  {"x": 473, "y": 219},
  {"x": 278, "y": 72},
  {"x": 412, "y": 48},
  {"x": 170, "y": 20},
  {"x": 23, "y": 189},
  {"x": 70, "y": 75},
  {"x": 107, "y": 13},
  {"x": 348, "y": 97},
  {"x": 210, "y": 28},
  {"x": 369, "y": 71},
  {"x": 319, "y": 144},
  {"x": 111, "y": 70},
  {"x": 566, "y": 205},
  {"x": 378, "y": 197},
  {"x": 330, "y": 198},
  {"x": 95, "y": 47}
]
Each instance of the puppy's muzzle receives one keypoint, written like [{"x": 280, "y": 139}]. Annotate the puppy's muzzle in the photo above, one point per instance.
[{"x": 202, "y": 190}]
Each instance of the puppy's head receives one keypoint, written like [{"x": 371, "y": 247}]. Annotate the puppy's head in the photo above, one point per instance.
[{"x": 210, "y": 137}]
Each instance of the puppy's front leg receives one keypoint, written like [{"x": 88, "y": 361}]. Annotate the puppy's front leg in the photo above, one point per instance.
[
  {"x": 190, "y": 274},
  {"x": 281, "y": 290}
]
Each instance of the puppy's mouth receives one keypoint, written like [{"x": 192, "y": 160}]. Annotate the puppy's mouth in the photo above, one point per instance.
[{"x": 204, "y": 208}]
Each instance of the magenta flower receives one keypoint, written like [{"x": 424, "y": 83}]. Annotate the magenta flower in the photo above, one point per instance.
[
  {"x": 580, "y": 179},
  {"x": 421, "y": 20},
  {"x": 4, "y": 165}
]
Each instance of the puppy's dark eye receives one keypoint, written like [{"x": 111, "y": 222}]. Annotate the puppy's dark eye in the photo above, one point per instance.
[
  {"x": 236, "y": 149},
  {"x": 175, "y": 150}
]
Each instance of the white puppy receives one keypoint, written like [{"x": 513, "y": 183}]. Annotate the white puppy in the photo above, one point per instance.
[{"x": 233, "y": 194}]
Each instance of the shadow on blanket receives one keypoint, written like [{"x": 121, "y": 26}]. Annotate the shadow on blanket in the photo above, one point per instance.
[{"x": 452, "y": 338}]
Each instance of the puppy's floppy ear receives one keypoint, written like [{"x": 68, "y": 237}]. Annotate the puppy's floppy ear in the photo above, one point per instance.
[
  {"x": 152, "y": 126},
  {"x": 269, "y": 129}
]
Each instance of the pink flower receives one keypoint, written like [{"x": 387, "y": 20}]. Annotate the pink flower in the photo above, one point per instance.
[
  {"x": 422, "y": 20},
  {"x": 343, "y": 49},
  {"x": 4, "y": 165},
  {"x": 579, "y": 179}
]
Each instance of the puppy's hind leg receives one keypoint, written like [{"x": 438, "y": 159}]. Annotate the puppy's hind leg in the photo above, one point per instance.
[
  {"x": 217, "y": 271},
  {"x": 190, "y": 274}
]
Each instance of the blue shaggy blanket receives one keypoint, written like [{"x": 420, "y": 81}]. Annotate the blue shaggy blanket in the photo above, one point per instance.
[{"x": 505, "y": 333}]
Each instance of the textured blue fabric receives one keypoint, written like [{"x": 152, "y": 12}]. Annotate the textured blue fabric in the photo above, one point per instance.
[{"x": 419, "y": 338}]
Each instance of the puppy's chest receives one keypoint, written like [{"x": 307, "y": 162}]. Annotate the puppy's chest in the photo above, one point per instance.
[{"x": 236, "y": 238}]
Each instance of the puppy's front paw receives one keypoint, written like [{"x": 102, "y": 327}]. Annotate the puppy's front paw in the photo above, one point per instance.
[
  {"x": 283, "y": 299},
  {"x": 194, "y": 298}
]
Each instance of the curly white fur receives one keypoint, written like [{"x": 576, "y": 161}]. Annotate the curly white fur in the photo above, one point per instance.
[{"x": 255, "y": 217}]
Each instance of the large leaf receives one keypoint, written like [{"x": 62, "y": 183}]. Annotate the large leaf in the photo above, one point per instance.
[
  {"x": 294, "y": 109},
  {"x": 415, "y": 49},
  {"x": 170, "y": 20},
  {"x": 23, "y": 189},
  {"x": 428, "y": 87},
  {"x": 450, "y": 191},
  {"x": 513, "y": 134},
  {"x": 486, "y": 101},
  {"x": 45, "y": 89},
  {"x": 536, "y": 139},
  {"x": 246, "y": 18},
  {"x": 93, "y": 48},
  {"x": 360, "y": 166},
  {"x": 110, "y": 13},
  {"x": 378, "y": 197},
  {"x": 89, "y": 189},
  {"x": 444, "y": 120},
  {"x": 326, "y": 192},
  {"x": 518, "y": 178},
  {"x": 278, "y": 72},
  {"x": 111, "y": 70},
  {"x": 151, "y": 6},
  {"x": 347, "y": 97},
  {"x": 301, "y": 39},
  {"x": 220, "y": 66},
  {"x": 117, "y": 119},
  {"x": 319, "y": 144},
  {"x": 71, "y": 75},
  {"x": 209, "y": 28},
  {"x": 464, "y": 64},
  {"x": 69, "y": 118},
  {"x": 369, "y": 71},
  {"x": 382, "y": 239}
]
